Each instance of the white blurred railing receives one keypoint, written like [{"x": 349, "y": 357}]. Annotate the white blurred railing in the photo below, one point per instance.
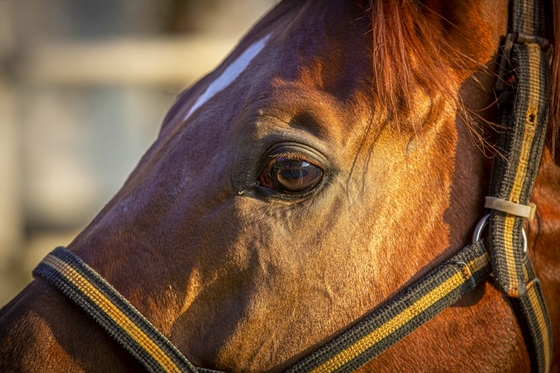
[{"x": 124, "y": 61}]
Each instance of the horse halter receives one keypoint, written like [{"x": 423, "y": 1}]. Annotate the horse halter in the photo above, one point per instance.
[{"x": 524, "y": 83}]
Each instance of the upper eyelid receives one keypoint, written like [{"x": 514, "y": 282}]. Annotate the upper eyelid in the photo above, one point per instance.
[{"x": 296, "y": 152}]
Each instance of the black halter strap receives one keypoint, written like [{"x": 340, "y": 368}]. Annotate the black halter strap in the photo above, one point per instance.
[
  {"x": 384, "y": 327},
  {"x": 524, "y": 115},
  {"x": 524, "y": 109}
]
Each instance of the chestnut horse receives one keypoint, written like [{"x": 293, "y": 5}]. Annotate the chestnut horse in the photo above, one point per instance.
[{"x": 341, "y": 152}]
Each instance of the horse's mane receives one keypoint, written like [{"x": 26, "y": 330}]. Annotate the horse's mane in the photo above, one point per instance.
[{"x": 410, "y": 49}]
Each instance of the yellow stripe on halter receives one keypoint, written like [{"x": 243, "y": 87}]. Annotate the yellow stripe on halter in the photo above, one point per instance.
[
  {"x": 541, "y": 321},
  {"x": 112, "y": 311},
  {"x": 531, "y": 118},
  {"x": 395, "y": 323},
  {"x": 509, "y": 222}
]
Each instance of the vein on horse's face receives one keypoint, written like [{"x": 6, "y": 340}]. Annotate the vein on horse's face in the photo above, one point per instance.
[{"x": 230, "y": 74}]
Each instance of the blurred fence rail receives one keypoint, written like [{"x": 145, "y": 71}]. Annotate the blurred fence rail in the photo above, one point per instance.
[
  {"x": 84, "y": 85},
  {"x": 124, "y": 61}
]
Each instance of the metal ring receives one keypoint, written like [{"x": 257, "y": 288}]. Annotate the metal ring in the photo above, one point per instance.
[{"x": 477, "y": 234}]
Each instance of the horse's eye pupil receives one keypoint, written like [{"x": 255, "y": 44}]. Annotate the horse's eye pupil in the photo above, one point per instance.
[{"x": 294, "y": 175}]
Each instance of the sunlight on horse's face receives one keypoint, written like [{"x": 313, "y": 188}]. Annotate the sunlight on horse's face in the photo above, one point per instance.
[
  {"x": 322, "y": 168},
  {"x": 279, "y": 204}
]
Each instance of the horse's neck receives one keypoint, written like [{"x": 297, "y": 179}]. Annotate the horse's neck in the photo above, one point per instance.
[{"x": 544, "y": 235}]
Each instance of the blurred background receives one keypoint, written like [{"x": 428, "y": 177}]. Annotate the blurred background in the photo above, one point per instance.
[{"x": 84, "y": 86}]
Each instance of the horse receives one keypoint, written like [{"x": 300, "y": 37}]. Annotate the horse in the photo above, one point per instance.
[{"x": 340, "y": 153}]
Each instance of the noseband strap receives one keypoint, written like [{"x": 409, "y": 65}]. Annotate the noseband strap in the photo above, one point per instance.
[
  {"x": 384, "y": 327},
  {"x": 125, "y": 324},
  {"x": 403, "y": 314}
]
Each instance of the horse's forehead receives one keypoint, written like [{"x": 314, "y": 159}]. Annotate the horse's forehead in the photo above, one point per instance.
[
  {"x": 282, "y": 60},
  {"x": 229, "y": 74}
]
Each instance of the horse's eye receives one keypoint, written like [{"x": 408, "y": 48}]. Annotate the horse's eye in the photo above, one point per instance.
[{"x": 290, "y": 175}]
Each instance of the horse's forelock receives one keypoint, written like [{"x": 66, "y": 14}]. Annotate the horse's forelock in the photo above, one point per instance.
[{"x": 407, "y": 52}]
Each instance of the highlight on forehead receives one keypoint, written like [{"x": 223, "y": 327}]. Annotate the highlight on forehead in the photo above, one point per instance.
[{"x": 229, "y": 75}]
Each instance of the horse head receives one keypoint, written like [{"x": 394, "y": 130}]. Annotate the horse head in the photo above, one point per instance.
[{"x": 339, "y": 153}]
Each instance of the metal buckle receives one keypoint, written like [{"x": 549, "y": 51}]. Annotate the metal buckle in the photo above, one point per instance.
[
  {"x": 504, "y": 60},
  {"x": 477, "y": 234}
]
